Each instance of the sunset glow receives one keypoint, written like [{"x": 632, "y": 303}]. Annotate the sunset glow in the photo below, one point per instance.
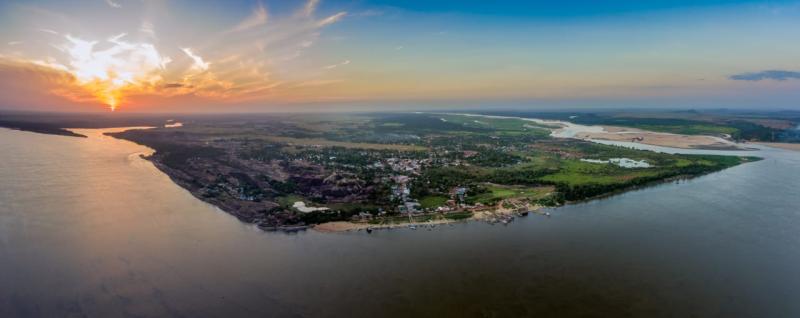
[
  {"x": 108, "y": 74},
  {"x": 228, "y": 66},
  {"x": 270, "y": 55}
]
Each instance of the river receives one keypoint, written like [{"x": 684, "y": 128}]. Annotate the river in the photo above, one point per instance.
[{"x": 88, "y": 228}]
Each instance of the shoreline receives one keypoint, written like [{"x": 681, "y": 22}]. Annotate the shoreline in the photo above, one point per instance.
[
  {"x": 780, "y": 145},
  {"x": 566, "y": 129},
  {"x": 491, "y": 217},
  {"x": 42, "y": 130},
  {"x": 495, "y": 215}
]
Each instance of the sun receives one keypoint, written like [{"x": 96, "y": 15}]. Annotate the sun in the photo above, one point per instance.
[{"x": 109, "y": 74}]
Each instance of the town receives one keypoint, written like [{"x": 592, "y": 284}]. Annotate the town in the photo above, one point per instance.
[{"x": 389, "y": 170}]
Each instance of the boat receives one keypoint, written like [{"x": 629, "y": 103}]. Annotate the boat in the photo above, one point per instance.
[{"x": 369, "y": 230}]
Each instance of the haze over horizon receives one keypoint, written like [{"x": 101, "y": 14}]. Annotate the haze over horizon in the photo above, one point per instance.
[{"x": 256, "y": 56}]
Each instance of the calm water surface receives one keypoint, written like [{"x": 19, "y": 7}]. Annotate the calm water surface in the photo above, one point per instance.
[{"x": 87, "y": 228}]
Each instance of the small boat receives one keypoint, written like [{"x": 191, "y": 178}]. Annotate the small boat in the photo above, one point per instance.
[
  {"x": 413, "y": 227},
  {"x": 369, "y": 230},
  {"x": 524, "y": 213}
]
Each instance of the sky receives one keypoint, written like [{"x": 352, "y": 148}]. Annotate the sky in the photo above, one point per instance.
[{"x": 330, "y": 55}]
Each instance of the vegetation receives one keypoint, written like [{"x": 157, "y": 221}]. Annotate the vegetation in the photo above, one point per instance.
[
  {"x": 433, "y": 201},
  {"x": 494, "y": 193},
  {"x": 375, "y": 168},
  {"x": 739, "y": 126}
]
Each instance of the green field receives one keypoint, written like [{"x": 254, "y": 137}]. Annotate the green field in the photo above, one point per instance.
[
  {"x": 289, "y": 200},
  {"x": 503, "y": 125},
  {"x": 575, "y": 172},
  {"x": 432, "y": 201},
  {"x": 496, "y": 193}
]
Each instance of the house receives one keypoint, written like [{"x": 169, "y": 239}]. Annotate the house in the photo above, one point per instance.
[
  {"x": 412, "y": 206},
  {"x": 460, "y": 193}
]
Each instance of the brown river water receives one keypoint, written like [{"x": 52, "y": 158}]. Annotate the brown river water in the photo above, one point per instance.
[{"x": 89, "y": 229}]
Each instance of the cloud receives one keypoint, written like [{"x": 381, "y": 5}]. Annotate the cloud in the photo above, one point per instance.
[
  {"x": 310, "y": 7},
  {"x": 368, "y": 13},
  {"x": 113, "y": 4},
  {"x": 174, "y": 85},
  {"x": 258, "y": 17},
  {"x": 49, "y": 31},
  {"x": 36, "y": 83},
  {"x": 265, "y": 61},
  {"x": 331, "y": 19},
  {"x": 776, "y": 75},
  {"x": 345, "y": 62},
  {"x": 198, "y": 64},
  {"x": 148, "y": 28},
  {"x": 106, "y": 73},
  {"x": 315, "y": 83}
]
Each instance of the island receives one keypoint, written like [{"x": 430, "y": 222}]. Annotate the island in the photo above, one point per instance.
[{"x": 369, "y": 171}]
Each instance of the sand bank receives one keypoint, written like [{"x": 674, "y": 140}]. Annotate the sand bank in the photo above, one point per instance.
[
  {"x": 659, "y": 139},
  {"x": 781, "y": 145}
]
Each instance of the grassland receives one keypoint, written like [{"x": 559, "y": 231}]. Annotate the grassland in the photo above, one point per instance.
[
  {"x": 433, "y": 201},
  {"x": 575, "y": 172},
  {"x": 505, "y": 125},
  {"x": 496, "y": 193}
]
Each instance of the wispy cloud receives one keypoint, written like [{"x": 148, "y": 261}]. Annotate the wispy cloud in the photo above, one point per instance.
[
  {"x": 148, "y": 29},
  {"x": 257, "y": 18},
  {"x": 315, "y": 83},
  {"x": 776, "y": 75},
  {"x": 106, "y": 72},
  {"x": 310, "y": 7},
  {"x": 198, "y": 64},
  {"x": 368, "y": 13},
  {"x": 329, "y": 67},
  {"x": 49, "y": 31},
  {"x": 250, "y": 59},
  {"x": 113, "y": 4},
  {"x": 331, "y": 19}
]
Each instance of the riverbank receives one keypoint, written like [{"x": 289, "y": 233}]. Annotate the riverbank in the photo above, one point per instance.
[
  {"x": 42, "y": 128},
  {"x": 781, "y": 145},
  {"x": 499, "y": 215},
  {"x": 564, "y": 129},
  {"x": 344, "y": 226}
]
